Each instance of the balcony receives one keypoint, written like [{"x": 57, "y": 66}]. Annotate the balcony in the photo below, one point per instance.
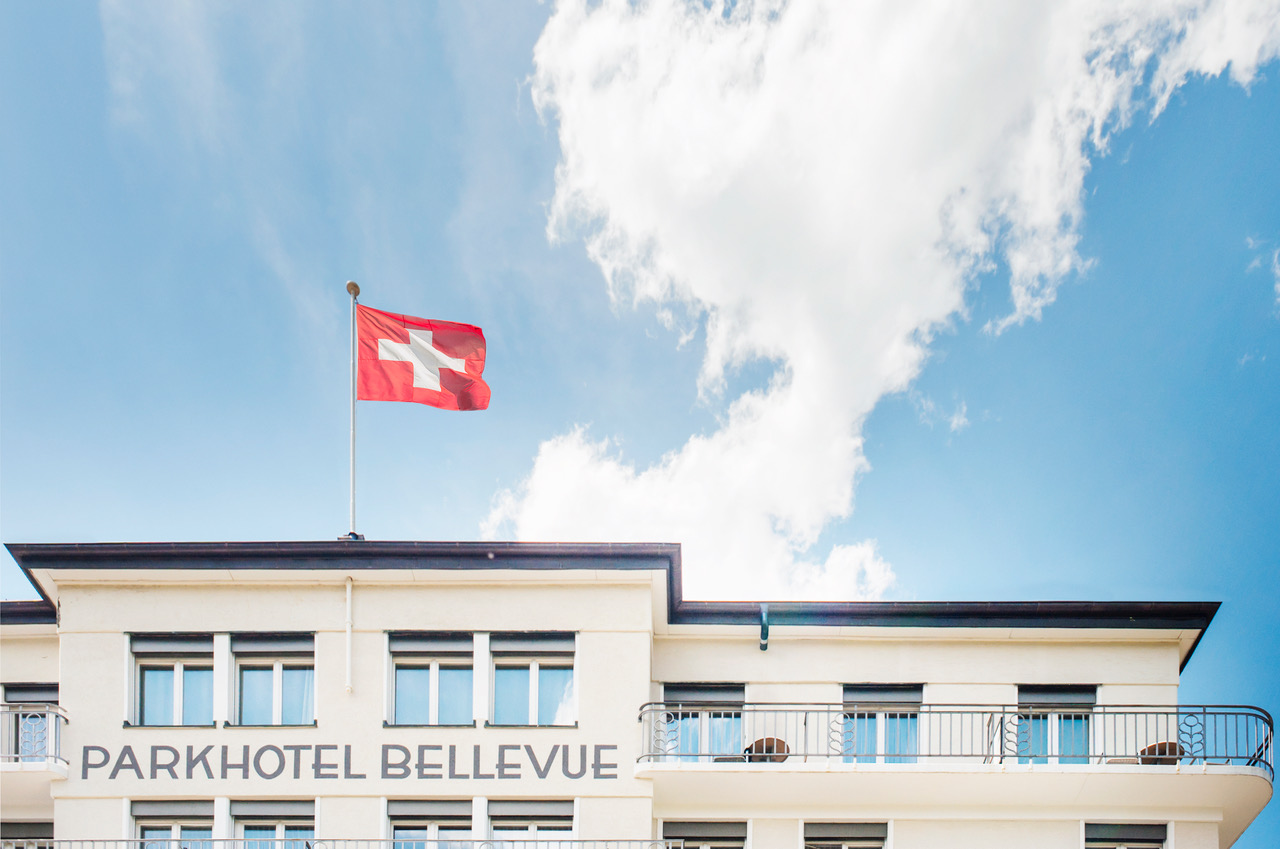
[
  {"x": 30, "y": 756},
  {"x": 865, "y": 735},
  {"x": 243, "y": 843}
]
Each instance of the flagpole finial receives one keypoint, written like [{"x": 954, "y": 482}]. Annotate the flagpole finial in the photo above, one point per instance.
[{"x": 353, "y": 288}]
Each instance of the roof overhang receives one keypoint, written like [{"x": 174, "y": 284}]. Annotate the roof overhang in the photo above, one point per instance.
[{"x": 47, "y": 564}]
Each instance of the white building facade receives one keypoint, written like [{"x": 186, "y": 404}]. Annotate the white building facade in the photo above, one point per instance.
[{"x": 357, "y": 695}]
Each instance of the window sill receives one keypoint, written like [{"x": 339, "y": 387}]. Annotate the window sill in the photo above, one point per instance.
[
  {"x": 386, "y": 724},
  {"x": 312, "y": 724},
  {"x": 488, "y": 724},
  {"x": 128, "y": 724}
]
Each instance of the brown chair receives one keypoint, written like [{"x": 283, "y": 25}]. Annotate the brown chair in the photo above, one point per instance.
[
  {"x": 1161, "y": 754},
  {"x": 767, "y": 750}
]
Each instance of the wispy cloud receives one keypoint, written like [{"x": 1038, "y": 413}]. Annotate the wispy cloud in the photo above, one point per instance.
[{"x": 818, "y": 182}]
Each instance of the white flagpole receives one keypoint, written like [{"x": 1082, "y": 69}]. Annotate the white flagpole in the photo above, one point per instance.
[{"x": 354, "y": 290}]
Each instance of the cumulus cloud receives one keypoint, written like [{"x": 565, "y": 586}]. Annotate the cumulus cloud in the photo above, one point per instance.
[{"x": 819, "y": 182}]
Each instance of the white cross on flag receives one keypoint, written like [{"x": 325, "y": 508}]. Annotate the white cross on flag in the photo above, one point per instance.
[{"x": 403, "y": 358}]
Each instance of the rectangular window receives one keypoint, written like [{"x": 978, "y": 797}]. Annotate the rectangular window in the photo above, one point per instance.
[
  {"x": 262, "y": 824},
  {"x": 433, "y": 678},
  {"x": 703, "y": 721},
  {"x": 275, "y": 678},
  {"x": 845, "y": 835},
  {"x": 516, "y": 822},
  {"x": 1121, "y": 836},
  {"x": 175, "y": 678},
  {"x": 174, "y": 824},
  {"x": 533, "y": 679},
  {"x": 1053, "y": 723},
  {"x": 707, "y": 835},
  {"x": 881, "y": 723},
  {"x": 430, "y": 823}
]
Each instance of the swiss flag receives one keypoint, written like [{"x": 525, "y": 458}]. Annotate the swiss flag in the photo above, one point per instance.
[{"x": 403, "y": 358}]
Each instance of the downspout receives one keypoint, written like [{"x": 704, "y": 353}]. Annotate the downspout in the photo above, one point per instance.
[{"x": 764, "y": 627}]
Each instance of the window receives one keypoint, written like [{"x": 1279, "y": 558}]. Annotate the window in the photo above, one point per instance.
[
  {"x": 1115, "y": 836},
  {"x": 433, "y": 679},
  {"x": 1053, "y": 724},
  {"x": 274, "y": 825},
  {"x": 29, "y": 732},
  {"x": 430, "y": 824},
  {"x": 524, "y": 820},
  {"x": 703, "y": 721},
  {"x": 845, "y": 835},
  {"x": 175, "y": 678},
  {"x": 275, "y": 678},
  {"x": 881, "y": 723},
  {"x": 707, "y": 835},
  {"x": 174, "y": 824},
  {"x": 533, "y": 679}
]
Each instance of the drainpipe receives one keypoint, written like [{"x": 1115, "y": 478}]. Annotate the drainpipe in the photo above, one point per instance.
[{"x": 764, "y": 627}]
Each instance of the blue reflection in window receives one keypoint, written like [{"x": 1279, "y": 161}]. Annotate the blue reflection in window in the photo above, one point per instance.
[
  {"x": 196, "y": 837},
  {"x": 687, "y": 727},
  {"x": 413, "y": 689},
  {"x": 858, "y": 740},
  {"x": 259, "y": 837},
  {"x": 511, "y": 695},
  {"x": 297, "y": 836},
  {"x": 157, "y": 695},
  {"x": 1073, "y": 738},
  {"x": 555, "y": 695},
  {"x": 297, "y": 691},
  {"x": 726, "y": 733},
  {"x": 900, "y": 738},
  {"x": 1033, "y": 739},
  {"x": 197, "y": 695},
  {"x": 255, "y": 695},
  {"x": 455, "y": 696}
]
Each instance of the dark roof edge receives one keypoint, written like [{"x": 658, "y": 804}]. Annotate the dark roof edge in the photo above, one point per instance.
[
  {"x": 364, "y": 554},
  {"x": 27, "y": 613}
]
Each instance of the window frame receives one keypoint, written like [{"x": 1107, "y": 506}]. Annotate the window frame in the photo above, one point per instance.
[
  {"x": 883, "y": 704},
  {"x": 177, "y": 710},
  {"x": 533, "y": 651},
  {"x": 710, "y": 706},
  {"x": 1055, "y": 706},
  {"x": 432, "y": 665},
  {"x": 278, "y": 666},
  {"x": 175, "y": 826}
]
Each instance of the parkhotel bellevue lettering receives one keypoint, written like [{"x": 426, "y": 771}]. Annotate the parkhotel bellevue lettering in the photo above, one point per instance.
[
  {"x": 430, "y": 761},
  {"x": 360, "y": 694}
]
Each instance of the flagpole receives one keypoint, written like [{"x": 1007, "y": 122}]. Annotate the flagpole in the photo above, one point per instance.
[{"x": 354, "y": 290}]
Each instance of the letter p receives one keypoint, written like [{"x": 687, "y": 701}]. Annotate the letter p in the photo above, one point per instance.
[{"x": 86, "y": 764}]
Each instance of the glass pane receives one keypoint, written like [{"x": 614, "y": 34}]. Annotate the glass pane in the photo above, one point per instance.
[
  {"x": 900, "y": 738},
  {"x": 157, "y": 832},
  {"x": 196, "y": 836},
  {"x": 511, "y": 695},
  {"x": 157, "y": 695},
  {"x": 413, "y": 686},
  {"x": 858, "y": 739},
  {"x": 555, "y": 695},
  {"x": 410, "y": 836},
  {"x": 298, "y": 694},
  {"x": 255, "y": 698},
  {"x": 455, "y": 696},
  {"x": 259, "y": 837},
  {"x": 726, "y": 734},
  {"x": 33, "y": 735},
  {"x": 687, "y": 727},
  {"x": 298, "y": 836},
  {"x": 197, "y": 695},
  {"x": 1073, "y": 738},
  {"x": 1033, "y": 739}
]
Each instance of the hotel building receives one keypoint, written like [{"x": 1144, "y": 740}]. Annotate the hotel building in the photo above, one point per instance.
[{"x": 357, "y": 694}]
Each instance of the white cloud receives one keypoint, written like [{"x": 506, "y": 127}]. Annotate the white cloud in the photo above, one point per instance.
[
  {"x": 959, "y": 419},
  {"x": 818, "y": 182}
]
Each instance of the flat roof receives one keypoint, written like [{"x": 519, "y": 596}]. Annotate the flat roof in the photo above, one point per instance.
[{"x": 358, "y": 555}]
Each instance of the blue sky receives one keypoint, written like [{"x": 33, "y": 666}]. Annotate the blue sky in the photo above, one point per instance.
[{"x": 890, "y": 313}]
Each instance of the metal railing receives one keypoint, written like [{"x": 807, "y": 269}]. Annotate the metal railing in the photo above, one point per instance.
[
  {"x": 31, "y": 733},
  {"x": 876, "y": 733},
  {"x": 315, "y": 843}
]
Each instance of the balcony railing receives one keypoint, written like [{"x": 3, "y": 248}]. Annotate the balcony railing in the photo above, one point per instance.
[
  {"x": 870, "y": 734},
  {"x": 31, "y": 733},
  {"x": 310, "y": 843}
]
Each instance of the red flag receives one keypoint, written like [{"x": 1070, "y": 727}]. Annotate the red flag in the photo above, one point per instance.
[{"x": 403, "y": 358}]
